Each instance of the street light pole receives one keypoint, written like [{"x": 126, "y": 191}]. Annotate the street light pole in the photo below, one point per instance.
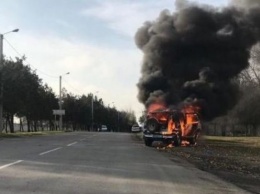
[
  {"x": 1, "y": 78},
  {"x": 1, "y": 82},
  {"x": 92, "y": 113},
  {"x": 60, "y": 105},
  {"x": 60, "y": 101}
]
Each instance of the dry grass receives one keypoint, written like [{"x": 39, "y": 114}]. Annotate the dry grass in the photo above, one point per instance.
[
  {"x": 233, "y": 141},
  {"x": 236, "y": 159}
]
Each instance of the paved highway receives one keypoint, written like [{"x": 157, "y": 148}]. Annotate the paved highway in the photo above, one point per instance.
[{"x": 98, "y": 163}]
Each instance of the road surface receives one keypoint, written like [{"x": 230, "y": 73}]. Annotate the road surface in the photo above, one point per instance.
[{"x": 98, "y": 163}]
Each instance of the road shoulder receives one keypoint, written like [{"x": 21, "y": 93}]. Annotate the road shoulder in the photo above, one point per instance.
[{"x": 230, "y": 160}]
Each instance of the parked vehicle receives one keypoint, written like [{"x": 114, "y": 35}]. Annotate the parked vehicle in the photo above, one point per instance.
[
  {"x": 103, "y": 128},
  {"x": 135, "y": 128}
]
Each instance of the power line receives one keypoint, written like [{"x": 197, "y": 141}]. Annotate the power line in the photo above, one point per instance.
[
  {"x": 52, "y": 76},
  {"x": 75, "y": 89},
  {"x": 42, "y": 72},
  {"x": 80, "y": 93}
]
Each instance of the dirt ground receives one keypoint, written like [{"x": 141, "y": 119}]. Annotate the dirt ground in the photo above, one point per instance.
[{"x": 235, "y": 159}]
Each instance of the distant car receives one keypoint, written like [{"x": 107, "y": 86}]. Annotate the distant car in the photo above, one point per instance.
[
  {"x": 103, "y": 128},
  {"x": 135, "y": 128}
]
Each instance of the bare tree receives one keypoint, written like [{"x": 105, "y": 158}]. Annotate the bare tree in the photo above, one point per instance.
[
  {"x": 255, "y": 63},
  {"x": 251, "y": 75}
]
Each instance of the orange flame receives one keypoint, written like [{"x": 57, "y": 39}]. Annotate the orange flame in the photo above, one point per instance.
[
  {"x": 171, "y": 126},
  {"x": 156, "y": 106},
  {"x": 184, "y": 123},
  {"x": 191, "y": 118},
  {"x": 190, "y": 109}
]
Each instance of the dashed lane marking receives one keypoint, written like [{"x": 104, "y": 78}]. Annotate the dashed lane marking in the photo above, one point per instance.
[
  {"x": 72, "y": 143},
  {"x": 10, "y": 164},
  {"x": 43, "y": 153}
]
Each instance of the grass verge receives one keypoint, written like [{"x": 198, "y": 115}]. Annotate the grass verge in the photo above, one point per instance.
[{"x": 28, "y": 134}]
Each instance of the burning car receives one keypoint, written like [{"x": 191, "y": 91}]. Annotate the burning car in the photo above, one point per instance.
[{"x": 171, "y": 127}]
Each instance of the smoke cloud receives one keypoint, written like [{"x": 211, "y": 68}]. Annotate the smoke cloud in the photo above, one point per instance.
[
  {"x": 193, "y": 55},
  {"x": 248, "y": 4}
]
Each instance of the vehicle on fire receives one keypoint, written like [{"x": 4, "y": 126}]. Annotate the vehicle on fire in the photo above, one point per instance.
[{"x": 171, "y": 127}]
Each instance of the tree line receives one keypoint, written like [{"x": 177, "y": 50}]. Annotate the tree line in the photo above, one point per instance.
[
  {"x": 243, "y": 119},
  {"x": 28, "y": 99}
]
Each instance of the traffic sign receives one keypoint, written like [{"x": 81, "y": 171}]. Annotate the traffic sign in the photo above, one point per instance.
[{"x": 58, "y": 112}]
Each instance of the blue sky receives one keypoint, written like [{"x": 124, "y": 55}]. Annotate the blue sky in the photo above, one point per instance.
[{"x": 92, "y": 39}]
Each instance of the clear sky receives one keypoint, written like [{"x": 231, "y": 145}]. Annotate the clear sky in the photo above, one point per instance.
[{"x": 91, "y": 39}]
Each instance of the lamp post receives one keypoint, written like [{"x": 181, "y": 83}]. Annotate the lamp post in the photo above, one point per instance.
[
  {"x": 60, "y": 100},
  {"x": 1, "y": 77},
  {"x": 92, "y": 110}
]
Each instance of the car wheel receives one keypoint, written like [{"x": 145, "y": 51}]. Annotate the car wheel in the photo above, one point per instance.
[
  {"x": 153, "y": 125},
  {"x": 177, "y": 140},
  {"x": 193, "y": 140},
  {"x": 148, "y": 142}
]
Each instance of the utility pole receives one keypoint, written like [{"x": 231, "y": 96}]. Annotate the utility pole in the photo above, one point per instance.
[
  {"x": 60, "y": 106},
  {"x": 92, "y": 112},
  {"x": 1, "y": 78},
  {"x": 60, "y": 100},
  {"x": 1, "y": 82}
]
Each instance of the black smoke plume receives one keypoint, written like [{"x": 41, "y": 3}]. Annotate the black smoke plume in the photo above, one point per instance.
[{"x": 193, "y": 55}]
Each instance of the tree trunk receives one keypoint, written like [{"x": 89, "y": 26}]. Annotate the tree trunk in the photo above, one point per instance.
[
  {"x": 51, "y": 125},
  {"x": 233, "y": 129},
  {"x": 42, "y": 128},
  {"x": 10, "y": 119},
  {"x": 28, "y": 124},
  {"x": 254, "y": 130},
  {"x": 12, "y": 124},
  {"x": 74, "y": 126},
  {"x": 21, "y": 125},
  {"x": 6, "y": 123},
  {"x": 35, "y": 126},
  {"x": 215, "y": 128},
  {"x": 223, "y": 130}
]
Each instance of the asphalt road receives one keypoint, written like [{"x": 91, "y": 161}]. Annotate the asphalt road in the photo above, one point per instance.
[{"x": 97, "y": 163}]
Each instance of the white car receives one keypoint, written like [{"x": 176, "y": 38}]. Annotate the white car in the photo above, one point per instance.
[
  {"x": 103, "y": 128},
  {"x": 135, "y": 128}
]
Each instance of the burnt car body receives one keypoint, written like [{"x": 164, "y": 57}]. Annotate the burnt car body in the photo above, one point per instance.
[{"x": 171, "y": 127}]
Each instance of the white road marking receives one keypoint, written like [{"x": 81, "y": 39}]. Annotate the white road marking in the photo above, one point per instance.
[
  {"x": 72, "y": 143},
  {"x": 87, "y": 137},
  {"x": 7, "y": 165},
  {"x": 49, "y": 151}
]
